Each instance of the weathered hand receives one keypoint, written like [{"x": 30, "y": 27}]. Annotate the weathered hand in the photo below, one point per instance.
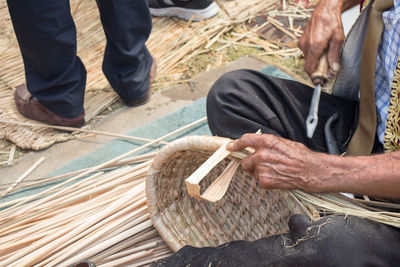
[
  {"x": 324, "y": 32},
  {"x": 280, "y": 163}
]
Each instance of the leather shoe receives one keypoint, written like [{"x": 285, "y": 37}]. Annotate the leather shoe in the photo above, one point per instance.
[
  {"x": 146, "y": 97},
  {"x": 31, "y": 108}
]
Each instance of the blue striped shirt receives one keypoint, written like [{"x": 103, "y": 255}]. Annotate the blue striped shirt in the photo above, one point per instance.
[{"x": 386, "y": 61}]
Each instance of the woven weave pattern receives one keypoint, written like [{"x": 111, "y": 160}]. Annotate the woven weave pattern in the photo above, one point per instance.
[
  {"x": 392, "y": 132},
  {"x": 246, "y": 212}
]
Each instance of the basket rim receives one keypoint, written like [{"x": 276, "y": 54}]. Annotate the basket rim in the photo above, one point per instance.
[
  {"x": 202, "y": 144},
  {"x": 193, "y": 143}
]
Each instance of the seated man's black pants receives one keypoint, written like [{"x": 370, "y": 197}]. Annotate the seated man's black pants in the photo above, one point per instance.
[
  {"x": 54, "y": 73},
  {"x": 244, "y": 101}
]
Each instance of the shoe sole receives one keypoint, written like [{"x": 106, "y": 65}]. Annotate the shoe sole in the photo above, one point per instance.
[{"x": 185, "y": 13}]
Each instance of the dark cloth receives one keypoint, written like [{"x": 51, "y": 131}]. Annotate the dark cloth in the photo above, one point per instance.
[
  {"x": 54, "y": 73},
  {"x": 332, "y": 241},
  {"x": 244, "y": 101}
]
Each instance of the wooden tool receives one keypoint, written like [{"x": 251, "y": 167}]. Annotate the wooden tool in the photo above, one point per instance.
[{"x": 318, "y": 77}]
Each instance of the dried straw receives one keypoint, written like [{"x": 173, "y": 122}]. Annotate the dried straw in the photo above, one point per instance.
[
  {"x": 102, "y": 217},
  {"x": 22, "y": 177},
  {"x": 181, "y": 40}
]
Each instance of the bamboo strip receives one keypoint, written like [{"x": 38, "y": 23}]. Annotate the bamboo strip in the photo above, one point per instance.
[
  {"x": 13, "y": 211},
  {"x": 31, "y": 217},
  {"x": 40, "y": 248},
  {"x": 99, "y": 258},
  {"x": 241, "y": 36},
  {"x": 118, "y": 238},
  {"x": 87, "y": 238},
  {"x": 385, "y": 217},
  {"x": 192, "y": 182},
  {"x": 280, "y": 27},
  {"x": 23, "y": 176},
  {"x": 238, "y": 43},
  {"x": 11, "y": 155},
  {"x": 134, "y": 257},
  {"x": 111, "y": 161},
  {"x": 72, "y": 129},
  {"x": 147, "y": 245},
  {"x": 219, "y": 186},
  {"x": 80, "y": 209},
  {"x": 34, "y": 182},
  {"x": 379, "y": 204},
  {"x": 39, "y": 207}
]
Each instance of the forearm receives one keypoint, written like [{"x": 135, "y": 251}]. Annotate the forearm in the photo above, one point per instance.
[{"x": 377, "y": 175}]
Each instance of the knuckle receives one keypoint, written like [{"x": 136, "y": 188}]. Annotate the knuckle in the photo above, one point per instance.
[
  {"x": 339, "y": 37},
  {"x": 246, "y": 136},
  {"x": 262, "y": 155},
  {"x": 263, "y": 183},
  {"x": 245, "y": 164}
]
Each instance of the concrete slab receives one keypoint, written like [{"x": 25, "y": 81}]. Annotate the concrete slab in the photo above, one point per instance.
[{"x": 122, "y": 121}]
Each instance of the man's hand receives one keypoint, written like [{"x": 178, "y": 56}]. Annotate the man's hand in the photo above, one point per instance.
[
  {"x": 280, "y": 163},
  {"x": 284, "y": 164},
  {"x": 324, "y": 32}
]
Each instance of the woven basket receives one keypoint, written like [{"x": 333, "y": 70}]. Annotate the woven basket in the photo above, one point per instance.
[{"x": 246, "y": 212}]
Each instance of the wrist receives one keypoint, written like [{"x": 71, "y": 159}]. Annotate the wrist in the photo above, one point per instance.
[{"x": 337, "y": 173}]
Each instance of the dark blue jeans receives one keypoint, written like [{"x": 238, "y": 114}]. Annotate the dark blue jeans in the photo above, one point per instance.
[{"x": 54, "y": 73}]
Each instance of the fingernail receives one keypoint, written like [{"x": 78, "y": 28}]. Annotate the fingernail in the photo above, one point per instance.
[{"x": 335, "y": 66}]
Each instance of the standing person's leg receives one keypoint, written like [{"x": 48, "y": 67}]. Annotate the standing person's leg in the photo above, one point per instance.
[
  {"x": 127, "y": 62},
  {"x": 244, "y": 101},
  {"x": 55, "y": 76}
]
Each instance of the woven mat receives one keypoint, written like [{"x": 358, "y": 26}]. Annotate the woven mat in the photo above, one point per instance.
[{"x": 172, "y": 43}]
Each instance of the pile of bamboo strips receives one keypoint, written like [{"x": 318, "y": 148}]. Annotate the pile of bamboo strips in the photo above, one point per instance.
[
  {"x": 181, "y": 41},
  {"x": 103, "y": 218},
  {"x": 94, "y": 214},
  {"x": 100, "y": 214}
]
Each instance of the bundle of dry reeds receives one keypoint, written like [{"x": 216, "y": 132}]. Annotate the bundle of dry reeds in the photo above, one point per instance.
[
  {"x": 102, "y": 217},
  {"x": 181, "y": 41},
  {"x": 95, "y": 214}
]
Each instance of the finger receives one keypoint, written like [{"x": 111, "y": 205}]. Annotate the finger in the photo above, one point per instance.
[
  {"x": 248, "y": 164},
  {"x": 302, "y": 42},
  {"x": 271, "y": 183},
  {"x": 247, "y": 140},
  {"x": 312, "y": 58},
  {"x": 334, "y": 50},
  {"x": 234, "y": 145}
]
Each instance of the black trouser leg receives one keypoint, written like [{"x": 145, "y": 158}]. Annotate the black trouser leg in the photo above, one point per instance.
[
  {"x": 244, "y": 101},
  {"x": 47, "y": 38},
  {"x": 332, "y": 241},
  {"x": 127, "y": 62}
]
